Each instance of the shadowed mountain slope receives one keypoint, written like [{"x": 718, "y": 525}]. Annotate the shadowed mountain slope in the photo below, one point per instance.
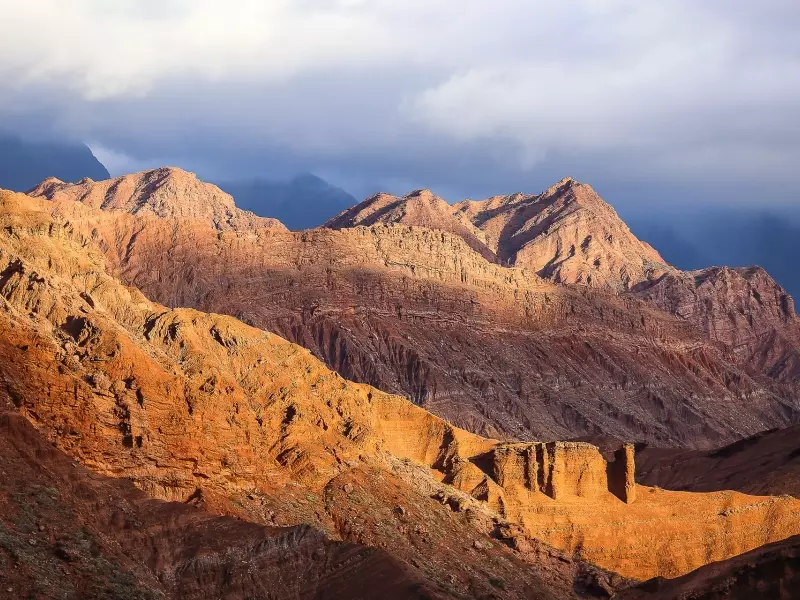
[
  {"x": 304, "y": 202},
  {"x": 766, "y": 463},
  {"x": 771, "y": 572},
  {"x": 24, "y": 163}
]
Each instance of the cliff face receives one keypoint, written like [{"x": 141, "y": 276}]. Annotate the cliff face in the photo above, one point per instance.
[
  {"x": 202, "y": 408},
  {"x": 743, "y": 308},
  {"x": 165, "y": 192}
]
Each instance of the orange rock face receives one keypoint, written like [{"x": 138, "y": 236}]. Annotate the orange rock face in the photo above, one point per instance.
[
  {"x": 203, "y": 408},
  {"x": 166, "y": 192},
  {"x": 567, "y": 234}
]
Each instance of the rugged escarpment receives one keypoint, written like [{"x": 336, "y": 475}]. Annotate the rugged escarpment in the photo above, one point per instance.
[
  {"x": 202, "y": 408},
  {"x": 165, "y": 192},
  {"x": 417, "y": 312},
  {"x": 493, "y": 349},
  {"x": 743, "y": 308}
]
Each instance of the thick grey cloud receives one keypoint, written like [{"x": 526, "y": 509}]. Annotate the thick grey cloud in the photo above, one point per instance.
[{"x": 647, "y": 100}]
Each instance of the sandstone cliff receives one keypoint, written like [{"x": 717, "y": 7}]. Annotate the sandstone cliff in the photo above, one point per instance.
[{"x": 202, "y": 408}]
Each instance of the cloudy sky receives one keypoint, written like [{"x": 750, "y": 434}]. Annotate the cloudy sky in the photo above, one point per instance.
[{"x": 468, "y": 97}]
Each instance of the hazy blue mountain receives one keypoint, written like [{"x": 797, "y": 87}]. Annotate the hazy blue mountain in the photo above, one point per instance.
[
  {"x": 24, "y": 164},
  {"x": 730, "y": 236},
  {"x": 303, "y": 202}
]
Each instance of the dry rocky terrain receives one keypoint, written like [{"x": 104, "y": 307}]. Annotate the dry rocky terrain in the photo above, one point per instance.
[
  {"x": 675, "y": 361},
  {"x": 205, "y": 410},
  {"x": 231, "y": 452}
]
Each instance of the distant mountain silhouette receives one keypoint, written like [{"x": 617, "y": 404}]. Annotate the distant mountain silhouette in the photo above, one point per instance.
[
  {"x": 303, "y": 202},
  {"x": 24, "y": 164},
  {"x": 769, "y": 238}
]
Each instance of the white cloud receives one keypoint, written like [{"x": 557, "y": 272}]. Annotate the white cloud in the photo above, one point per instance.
[{"x": 688, "y": 88}]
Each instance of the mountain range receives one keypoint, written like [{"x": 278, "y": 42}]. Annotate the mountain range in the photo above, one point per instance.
[
  {"x": 25, "y": 163},
  {"x": 303, "y": 202},
  {"x": 388, "y": 406}
]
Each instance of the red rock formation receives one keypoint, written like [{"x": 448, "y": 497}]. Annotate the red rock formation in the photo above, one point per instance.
[
  {"x": 568, "y": 234},
  {"x": 166, "y": 192},
  {"x": 493, "y": 349},
  {"x": 200, "y": 407}
]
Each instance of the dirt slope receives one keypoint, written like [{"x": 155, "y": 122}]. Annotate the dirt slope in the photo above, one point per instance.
[{"x": 767, "y": 463}]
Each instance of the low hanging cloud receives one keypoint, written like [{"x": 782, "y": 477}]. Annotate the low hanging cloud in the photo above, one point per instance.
[{"x": 466, "y": 95}]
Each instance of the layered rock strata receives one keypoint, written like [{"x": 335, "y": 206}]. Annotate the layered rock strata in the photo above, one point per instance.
[
  {"x": 202, "y": 408},
  {"x": 496, "y": 350}
]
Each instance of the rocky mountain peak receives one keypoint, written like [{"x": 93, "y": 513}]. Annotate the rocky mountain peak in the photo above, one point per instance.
[
  {"x": 166, "y": 192},
  {"x": 567, "y": 234}
]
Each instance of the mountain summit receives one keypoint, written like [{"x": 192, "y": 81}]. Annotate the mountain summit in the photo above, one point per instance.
[
  {"x": 167, "y": 192},
  {"x": 420, "y": 208},
  {"x": 567, "y": 234}
]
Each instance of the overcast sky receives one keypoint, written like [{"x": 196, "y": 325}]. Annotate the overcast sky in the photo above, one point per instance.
[{"x": 468, "y": 97}]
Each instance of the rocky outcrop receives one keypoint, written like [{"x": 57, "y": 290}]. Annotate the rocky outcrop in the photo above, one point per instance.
[
  {"x": 567, "y": 234},
  {"x": 560, "y": 469},
  {"x": 202, "y": 408},
  {"x": 167, "y": 192},
  {"x": 744, "y": 308},
  {"x": 420, "y": 208}
]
